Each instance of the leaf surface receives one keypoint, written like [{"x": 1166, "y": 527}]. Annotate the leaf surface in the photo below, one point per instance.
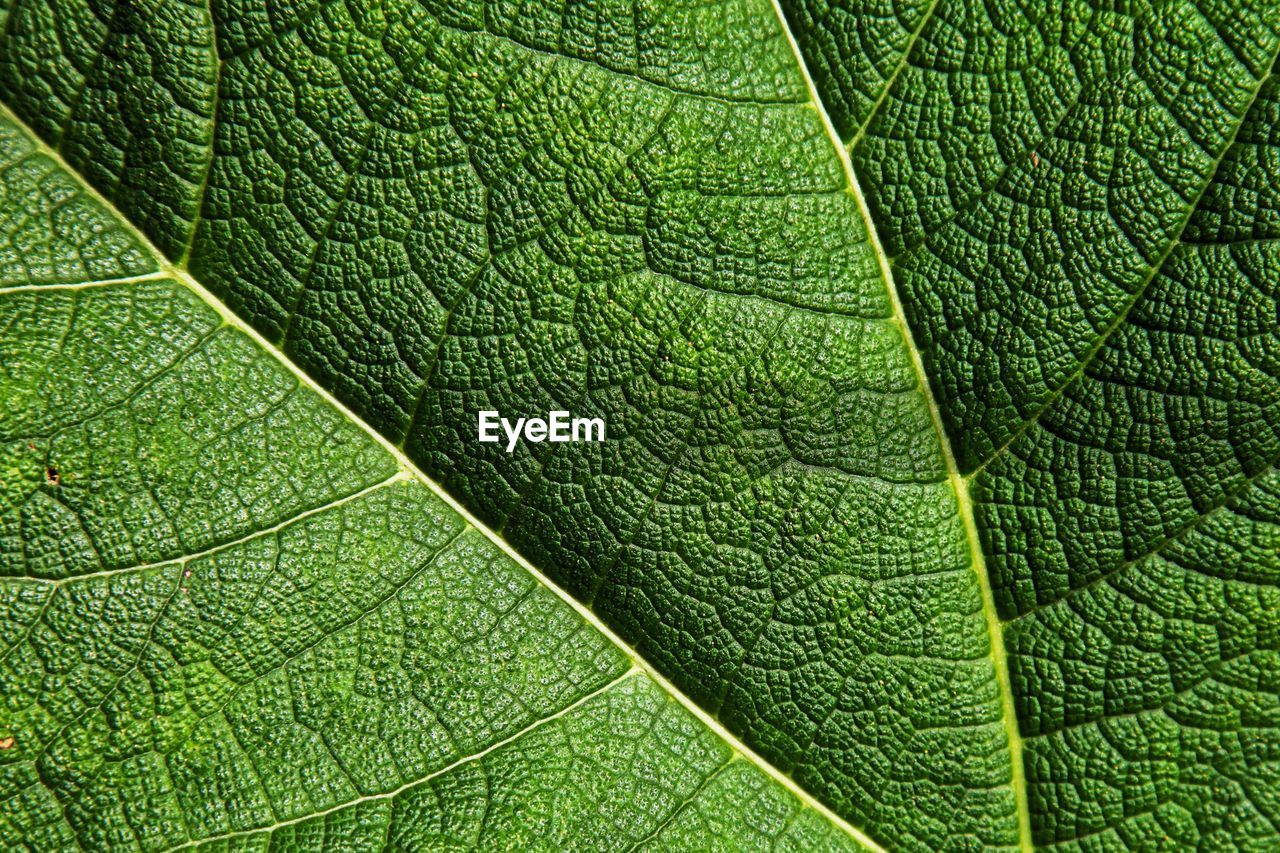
[
  {"x": 1086, "y": 241},
  {"x": 1009, "y": 576},
  {"x": 230, "y": 615}
]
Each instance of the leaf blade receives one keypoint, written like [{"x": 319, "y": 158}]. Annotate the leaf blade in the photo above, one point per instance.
[
  {"x": 362, "y": 651},
  {"x": 675, "y": 222},
  {"x": 1167, "y": 424}
]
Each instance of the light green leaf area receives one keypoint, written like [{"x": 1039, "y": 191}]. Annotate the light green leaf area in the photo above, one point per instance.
[
  {"x": 227, "y": 614},
  {"x": 938, "y": 343}
]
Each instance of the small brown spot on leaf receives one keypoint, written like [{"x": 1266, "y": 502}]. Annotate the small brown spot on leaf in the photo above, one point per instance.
[
  {"x": 7, "y": 742},
  {"x": 52, "y": 475}
]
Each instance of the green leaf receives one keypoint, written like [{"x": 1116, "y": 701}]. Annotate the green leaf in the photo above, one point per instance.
[
  {"x": 230, "y": 614},
  {"x": 937, "y": 345},
  {"x": 1087, "y": 242}
]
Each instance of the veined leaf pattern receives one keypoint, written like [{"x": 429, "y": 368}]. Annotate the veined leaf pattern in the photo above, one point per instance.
[{"x": 937, "y": 344}]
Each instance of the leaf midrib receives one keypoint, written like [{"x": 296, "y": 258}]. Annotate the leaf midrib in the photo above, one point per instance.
[
  {"x": 409, "y": 469},
  {"x": 957, "y": 481}
]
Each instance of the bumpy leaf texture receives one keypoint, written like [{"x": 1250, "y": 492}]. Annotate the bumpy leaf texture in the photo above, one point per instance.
[
  {"x": 230, "y": 617},
  {"x": 938, "y": 347}
]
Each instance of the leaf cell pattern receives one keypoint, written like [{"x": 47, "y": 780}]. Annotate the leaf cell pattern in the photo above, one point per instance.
[{"x": 636, "y": 211}]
